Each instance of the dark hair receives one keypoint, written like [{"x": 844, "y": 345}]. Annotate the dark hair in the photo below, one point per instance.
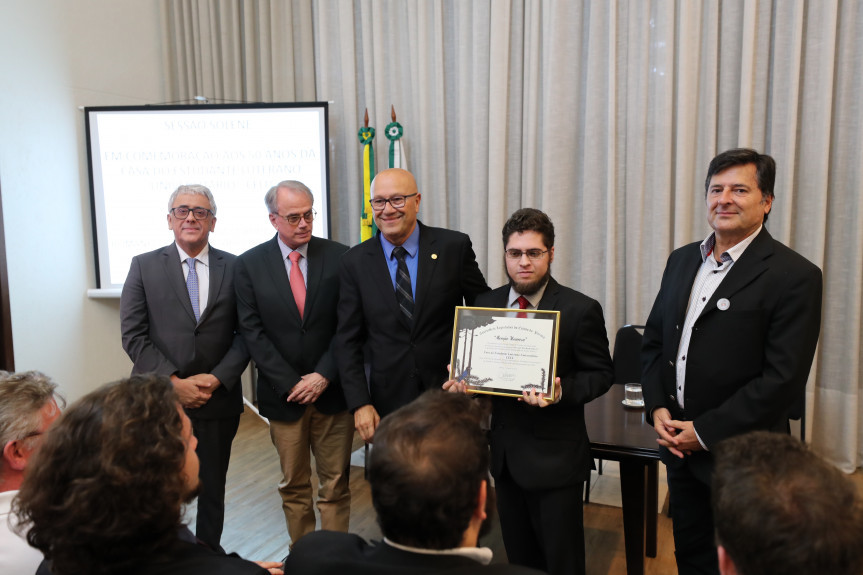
[
  {"x": 425, "y": 470},
  {"x": 529, "y": 220},
  {"x": 106, "y": 489},
  {"x": 765, "y": 169},
  {"x": 780, "y": 509}
]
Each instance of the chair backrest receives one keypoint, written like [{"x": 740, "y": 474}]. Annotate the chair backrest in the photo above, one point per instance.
[{"x": 627, "y": 354}]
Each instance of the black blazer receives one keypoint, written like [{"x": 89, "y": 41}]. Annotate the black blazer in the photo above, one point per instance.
[
  {"x": 746, "y": 365},
  {"x": 160, "y": 333},
  {"x": 332, "y": 553},
  {"x": 547, "y": 448},
  {"x": 405, "y": 358},
  {"x": 283, "y": 346}
]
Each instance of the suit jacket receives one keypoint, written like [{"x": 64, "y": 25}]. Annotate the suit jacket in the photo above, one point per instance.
[
  {"x": 187, "y": 559},
  {"x": 405, "y": 357},
  {"x": 332, "y": 553},
  {"x": 284, "y": 346},
  {"x": 746, "y": 365},
  {"x": 160, "y": 333},
  {"x": 547, "y": 448}
]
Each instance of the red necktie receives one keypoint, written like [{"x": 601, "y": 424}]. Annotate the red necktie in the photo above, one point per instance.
[
  {"x": 298, "y": 285},
  {"x": 522, "y": 304}
]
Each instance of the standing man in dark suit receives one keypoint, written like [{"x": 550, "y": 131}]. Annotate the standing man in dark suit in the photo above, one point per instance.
[
  {"x": 540, "y": 452},
  {"x": 287, "y": 293},
  {"x": 397, "y": 303},
  {"x": 178, "y": 316},
  {"x": 728, "y": 344}
]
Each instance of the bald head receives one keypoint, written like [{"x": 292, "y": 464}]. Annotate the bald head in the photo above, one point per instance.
[{"x": 396, "y": 222}]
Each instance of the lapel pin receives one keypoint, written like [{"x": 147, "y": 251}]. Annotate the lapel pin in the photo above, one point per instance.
[
  {"x": 723, "y": 304},
  {"x": 434, "y": 256}
]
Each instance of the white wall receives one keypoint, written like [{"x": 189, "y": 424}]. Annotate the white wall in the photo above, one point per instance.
[{"x": 58, "y": 55}]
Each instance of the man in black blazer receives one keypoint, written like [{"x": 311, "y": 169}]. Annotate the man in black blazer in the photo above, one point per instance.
[
  {"x": 185, "y": 328},
  {"x": 398, "y": 323},
  {"x": 540, "y": 452},
  {"x": 287, "y": 292},
  {"x": 728, "y": 344},
  {"x": 428, "y": 475}
]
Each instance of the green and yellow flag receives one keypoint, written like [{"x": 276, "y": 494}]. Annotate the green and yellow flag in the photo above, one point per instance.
[{"x": 367, "y": 222}]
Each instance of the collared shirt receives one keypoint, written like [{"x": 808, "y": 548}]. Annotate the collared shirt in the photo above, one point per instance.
[
  {"x": 707, "y": 280},
  {"x": 482, "y": 555},
  {"x": 304, "y": 261},
  {"x": 202, "y": 268},
  {"x": 533, "y": 300},
  {"x": 412, "y": 245}
]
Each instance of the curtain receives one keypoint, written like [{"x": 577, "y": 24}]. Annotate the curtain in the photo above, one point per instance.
[{"x": 603, "y": 114}]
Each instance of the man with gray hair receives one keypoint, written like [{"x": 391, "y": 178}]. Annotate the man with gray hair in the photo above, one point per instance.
[
  {"x": 287, "y": 294},
  {"x": 28, "y": 406},
  {"x": 178, "y": 318}
]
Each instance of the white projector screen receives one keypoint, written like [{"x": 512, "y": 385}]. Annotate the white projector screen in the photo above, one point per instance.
[{"x": 138, "y": 155}]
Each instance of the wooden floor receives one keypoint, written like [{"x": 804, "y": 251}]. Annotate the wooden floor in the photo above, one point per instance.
[{"x": 255, "y": 525}]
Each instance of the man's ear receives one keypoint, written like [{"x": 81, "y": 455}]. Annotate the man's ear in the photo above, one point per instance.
[
  {"x": 479, "y": 511},
  {"x": 14, "y": 456},
  {"x": 726, "y": 564}
]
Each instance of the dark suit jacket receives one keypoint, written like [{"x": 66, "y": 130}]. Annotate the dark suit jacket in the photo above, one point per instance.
[
  {"x": 546, "y": 448},
  {"x": 405, "y": 358},
  {"x": 746, "y": 365},
  {"x": 331, "y": 553},
  {"x": 283, "y": 346},
  {"x": 160, "y": 333},
  {"x": 187, "y": 559}
]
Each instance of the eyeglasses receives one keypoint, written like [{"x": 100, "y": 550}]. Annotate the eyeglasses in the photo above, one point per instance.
[
  {"x": 531, "y": 254},
  {"x": 294, "y": 219},
  {"x": 182, "y": 212},
  {"x": 398, "y": 202}
]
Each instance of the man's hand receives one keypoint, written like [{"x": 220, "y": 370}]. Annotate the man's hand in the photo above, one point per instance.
[
  {"x": 206, "y": 382},
  {"x": 274, "y": 567},
  {"x": 309, "y": 388},
  {"x": 454, "y": 386},
  {"x": 677, "y": 436},
  {"x": 191, "y": 396},
  {"x": 366, "y": 420},
  {"x": 538, "y": 399}
]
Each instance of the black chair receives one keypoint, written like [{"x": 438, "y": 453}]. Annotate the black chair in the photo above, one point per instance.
[{"x": 626, "y": 358}]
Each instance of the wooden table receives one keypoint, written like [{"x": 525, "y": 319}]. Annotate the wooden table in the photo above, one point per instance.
[{"x": 621, "y": 434}]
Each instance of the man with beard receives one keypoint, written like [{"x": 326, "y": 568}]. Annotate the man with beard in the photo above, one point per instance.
[
  {"x": 105, "y": 493},
  {"x": 429, "y": 478},
  {"x": 540, "y": 453}
]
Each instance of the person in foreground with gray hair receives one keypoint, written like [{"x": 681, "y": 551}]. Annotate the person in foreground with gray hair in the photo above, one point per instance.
[{"x": 29, "y": 404}]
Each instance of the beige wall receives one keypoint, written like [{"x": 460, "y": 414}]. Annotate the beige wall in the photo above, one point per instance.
[{"x": 58, "y": 55}]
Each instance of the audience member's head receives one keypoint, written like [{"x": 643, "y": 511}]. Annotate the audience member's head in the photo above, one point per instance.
[
  {"x": 428, "y": 472},
  {"x": 108, "y": 485},
  {"x": 28, "y": 406},
  {"x": 779, "y": 509}
]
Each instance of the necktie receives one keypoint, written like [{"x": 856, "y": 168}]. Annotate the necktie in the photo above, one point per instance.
[
  {"x": 298, "y": 285},
  {"x": 404, "y": 292},
  {"x": 192, "y": 286},
  {"x": 522, "y": 304}
]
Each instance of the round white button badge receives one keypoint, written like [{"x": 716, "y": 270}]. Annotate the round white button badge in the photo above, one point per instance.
[{"x": 723, "y": 304}]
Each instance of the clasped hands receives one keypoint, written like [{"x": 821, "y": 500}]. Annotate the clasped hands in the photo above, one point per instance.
[
  {"x": 195, "y": 390},
  {"x": 676, "y": 436},
  {"x": 308, "y": 389}
]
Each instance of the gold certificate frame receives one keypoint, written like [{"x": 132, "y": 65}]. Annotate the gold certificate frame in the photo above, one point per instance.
[{"x": 505, "y": 351}]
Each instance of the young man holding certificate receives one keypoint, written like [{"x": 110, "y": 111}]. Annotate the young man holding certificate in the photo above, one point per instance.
[{"x": 540, "y": 453}]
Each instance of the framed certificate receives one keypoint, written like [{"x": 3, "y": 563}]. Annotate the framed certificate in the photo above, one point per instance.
[{"x": 504, "y": 351}]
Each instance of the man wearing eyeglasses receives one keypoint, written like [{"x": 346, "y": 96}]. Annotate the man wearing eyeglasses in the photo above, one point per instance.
[
  {"x": 540, "y": 452},
  {"x": 178, "y": 317},
  {"x": 287, "y": 292},
  {"x": 398, "y": 295}
]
